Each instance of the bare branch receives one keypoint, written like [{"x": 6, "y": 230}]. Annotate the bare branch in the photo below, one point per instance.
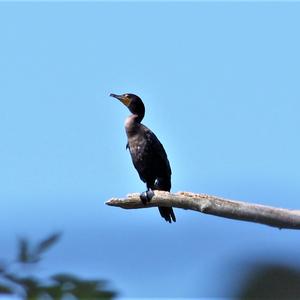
[{"x": 238, "y": 210}]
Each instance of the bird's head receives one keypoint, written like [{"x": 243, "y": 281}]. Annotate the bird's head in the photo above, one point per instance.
[{"x": 133, "y": 102}]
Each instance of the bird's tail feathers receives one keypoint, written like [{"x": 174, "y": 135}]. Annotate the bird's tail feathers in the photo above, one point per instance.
[{"x": 167, "y": 213}]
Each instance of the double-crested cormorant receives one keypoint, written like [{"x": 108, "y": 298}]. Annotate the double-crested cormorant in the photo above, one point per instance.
[{"x": 148, "y": 154}]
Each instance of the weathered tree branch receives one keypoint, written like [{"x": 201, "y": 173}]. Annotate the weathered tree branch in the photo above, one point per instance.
[{"x": 238, "y": 210}]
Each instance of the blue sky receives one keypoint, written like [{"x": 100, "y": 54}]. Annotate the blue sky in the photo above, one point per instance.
[{"x": 220, "y": 82}]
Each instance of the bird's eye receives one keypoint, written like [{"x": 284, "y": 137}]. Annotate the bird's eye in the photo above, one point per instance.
[{"x": 126, "y": 95}]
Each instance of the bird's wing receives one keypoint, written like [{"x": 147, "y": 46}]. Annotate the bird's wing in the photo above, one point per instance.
[
  {"x": 159, "y": 155},
  {"x": 149, "y": 157}
]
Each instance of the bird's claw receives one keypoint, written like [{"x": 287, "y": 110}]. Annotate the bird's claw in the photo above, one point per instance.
[{"x": 146, "y": 196}]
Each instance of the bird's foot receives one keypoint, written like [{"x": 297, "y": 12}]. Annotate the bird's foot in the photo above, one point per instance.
[{"x": 146, "y": 196}]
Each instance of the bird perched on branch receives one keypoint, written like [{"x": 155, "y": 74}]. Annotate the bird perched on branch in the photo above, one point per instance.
[{"x": 148, "y": 154}]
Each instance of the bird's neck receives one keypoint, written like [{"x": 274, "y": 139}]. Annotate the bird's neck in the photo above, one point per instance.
[{"x": 132, "y": 124}]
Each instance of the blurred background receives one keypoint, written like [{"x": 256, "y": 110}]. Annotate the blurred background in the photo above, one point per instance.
[{"x": 220, "y": 82}]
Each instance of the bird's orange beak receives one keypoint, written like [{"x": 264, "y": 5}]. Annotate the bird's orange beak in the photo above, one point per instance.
[{"x": 125, "y": 100}]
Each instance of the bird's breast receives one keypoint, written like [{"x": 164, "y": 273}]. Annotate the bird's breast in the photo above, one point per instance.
[{"x": 137, "y": 144}]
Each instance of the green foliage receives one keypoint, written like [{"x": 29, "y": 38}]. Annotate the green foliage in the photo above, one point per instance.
[
  {"x": 23, "y": 255},
  {"x": 59, "y": 286},
  {"x": 271, "y": 281},
  {"x": 5, "y": 290},
  {"x": 46, "y": 243},
  {"x": 30, "y": 255}
]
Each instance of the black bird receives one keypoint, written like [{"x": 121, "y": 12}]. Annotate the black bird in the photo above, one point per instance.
[{"x": 148, "y": 154}]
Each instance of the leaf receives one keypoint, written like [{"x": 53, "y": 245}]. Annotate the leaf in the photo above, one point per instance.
[
  {"x": 25, "y": 254},
  {"x": 31, "y": 286},
  {"x": 63, "y": 278},
  {"x": 23, "y": 251},
  {"x": 3, "y": 267},
  {"x": 92, "y": 289},
  {"x": 54, "y": 291},
  {"x": 47, "y": 243},
  {"x": 5, "y": 290},
  {"x": 11, "y": 277},
  {"x": 83, "y": 288}
]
